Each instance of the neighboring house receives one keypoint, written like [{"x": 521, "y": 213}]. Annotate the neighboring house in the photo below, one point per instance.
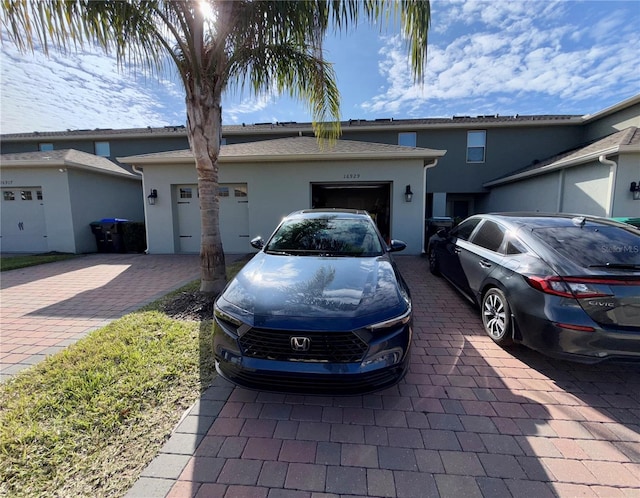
[
  {"x": 492, "y": 163},
  {"x": 595, "y": 179},
  {"x": 261, "y": 182},
  {"x": 49, "y": 200}
]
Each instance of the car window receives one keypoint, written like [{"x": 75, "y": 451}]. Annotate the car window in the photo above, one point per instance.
[
  {"x": 514, "y": 246},
  {"x": 464, "y": 229},
  {"x": 337, "y": 236},
  {"x": 489, "y": 236},
  {"x": 593, "y": 245}
]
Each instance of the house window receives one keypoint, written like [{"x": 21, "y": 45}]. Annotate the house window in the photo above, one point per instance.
[
  {"x": 223, "y": 141},
  {"x": 186, "y": 193},
  {"x": 26, "y": 195},
  {"x": 476, "y": 144},
  {"x": 240, "y": 191},
  {"x": 407, "y": 138},
  {"x": 39, "y": 194},
  {"x": 223, "y": 191},
  {"x": 102, "y": 149},
  {"x": 45, "y": 146},
  {"x": 8, "y": 195}
]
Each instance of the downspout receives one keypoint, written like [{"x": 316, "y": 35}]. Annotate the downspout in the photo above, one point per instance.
[
  {"x": 424, "y": 199},
  {"x": 146, "y": 224},
  {"x": 613, "y": 173},
  {"x": 560, "y": 191}
]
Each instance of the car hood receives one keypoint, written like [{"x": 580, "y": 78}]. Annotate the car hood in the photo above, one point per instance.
[{"x": 315, "y": 293}]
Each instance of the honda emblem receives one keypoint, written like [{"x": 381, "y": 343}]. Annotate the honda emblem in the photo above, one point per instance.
[{"x": 300, "y": 343}]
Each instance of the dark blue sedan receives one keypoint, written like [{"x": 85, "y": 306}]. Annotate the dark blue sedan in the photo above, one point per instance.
[{"x": 321, "y": 309}]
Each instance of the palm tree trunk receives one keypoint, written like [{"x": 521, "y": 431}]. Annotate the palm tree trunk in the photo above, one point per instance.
[{"x": 204, "y": 114}]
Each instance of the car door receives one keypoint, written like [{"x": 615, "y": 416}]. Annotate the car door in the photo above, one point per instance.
[
  {"x": 481, "y": 255},
  {"x": 450, "y": 249}
]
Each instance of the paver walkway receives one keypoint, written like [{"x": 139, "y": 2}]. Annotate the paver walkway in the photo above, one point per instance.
[
  {"x": 469, "y": 420},
  {"x": 45, "y": 308}
]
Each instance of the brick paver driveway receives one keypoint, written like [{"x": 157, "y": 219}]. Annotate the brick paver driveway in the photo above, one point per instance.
[
  {"x": 45, "y": 308},
  {"x": 469, "y": 420}
]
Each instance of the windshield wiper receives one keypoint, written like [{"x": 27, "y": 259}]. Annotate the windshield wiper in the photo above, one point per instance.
[{"x": 617, "y": 266}]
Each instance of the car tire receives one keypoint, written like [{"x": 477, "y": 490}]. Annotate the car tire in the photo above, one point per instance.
[
  {"x": 434, "y": 267},
  {"x": 496, "y": 317}
]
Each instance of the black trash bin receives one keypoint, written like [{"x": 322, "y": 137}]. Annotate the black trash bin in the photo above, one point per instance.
[
  {"x": 109, "y": 234},
  {"x": 434, "y": 224}
]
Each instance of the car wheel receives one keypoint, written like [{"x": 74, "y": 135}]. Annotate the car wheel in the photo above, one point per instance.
[
  {"x": 496, "y": 317},
  {"x": 434, "y": 268}
]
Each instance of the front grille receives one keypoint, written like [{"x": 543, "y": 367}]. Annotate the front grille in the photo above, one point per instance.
[{"x": 331, "y": 347}]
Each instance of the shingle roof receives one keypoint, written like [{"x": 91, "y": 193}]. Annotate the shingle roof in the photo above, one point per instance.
[
  {"x": 294, "y": 148},
  {"x": 294, "y": 127},
  {"x": 64, "y": 157},
  {"x": 627, "y": 139}
]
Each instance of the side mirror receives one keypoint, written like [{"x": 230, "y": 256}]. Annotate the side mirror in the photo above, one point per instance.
[
  {"x": 258, "y": 243},
  {"x": 397, "y": 245}
]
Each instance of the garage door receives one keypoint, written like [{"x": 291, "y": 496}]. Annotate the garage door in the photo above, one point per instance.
[
  {"x": 23, "y": 223},
  {"x": 234, "y": 217}
]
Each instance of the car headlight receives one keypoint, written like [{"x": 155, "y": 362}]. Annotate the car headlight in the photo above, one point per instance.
[
  {"x": 230, "y": 324},
  {"x": 392, "y": 322}
]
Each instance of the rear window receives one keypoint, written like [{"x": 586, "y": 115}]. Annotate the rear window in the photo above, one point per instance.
[{"x": 593, "y": 245}]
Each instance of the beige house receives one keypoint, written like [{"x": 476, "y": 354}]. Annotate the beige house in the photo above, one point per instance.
[
  {"x": 262, "y": 181},
  {"x": 49, "y": 199}
]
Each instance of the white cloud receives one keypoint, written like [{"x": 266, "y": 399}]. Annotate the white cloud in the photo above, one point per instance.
[
  {"x": 524, "y": 49},
  {"x": 42, "y": 93}
]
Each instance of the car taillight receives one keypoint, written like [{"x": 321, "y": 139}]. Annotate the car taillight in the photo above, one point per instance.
[{"x": 573, "y": 287}]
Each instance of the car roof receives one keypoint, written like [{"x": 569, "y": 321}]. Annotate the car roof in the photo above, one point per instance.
[
  {"x": 324, "y": 212},
  {"x": 534, "y": 220}
]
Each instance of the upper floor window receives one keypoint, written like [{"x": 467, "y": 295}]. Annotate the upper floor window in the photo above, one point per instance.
[
  {"x": 102, "y": 149},
  {"x": 44, "y": 146},
  {"x": 476, "y": 145},
  {"x": 407, "y": 138}
]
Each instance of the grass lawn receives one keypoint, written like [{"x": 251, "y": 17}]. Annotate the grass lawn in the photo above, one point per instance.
[
  {"x": 22, "y": 261},
  {"x": 86, "y": 421}
]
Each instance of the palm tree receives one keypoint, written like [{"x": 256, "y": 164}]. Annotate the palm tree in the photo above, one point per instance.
[{"x": 258, "y": 45}]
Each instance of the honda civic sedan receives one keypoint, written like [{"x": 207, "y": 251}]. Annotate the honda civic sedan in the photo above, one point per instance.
[
  {"x": 565, "y": 285},
  {"x": 321, "y": 308}
]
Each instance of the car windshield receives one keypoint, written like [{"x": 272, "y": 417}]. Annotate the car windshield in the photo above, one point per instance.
[
  {"x": 328, "y": 235},
  {"x": 594, "y": 246}
]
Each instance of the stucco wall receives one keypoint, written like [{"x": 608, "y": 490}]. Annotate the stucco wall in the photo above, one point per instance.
[
  {"x": 276, "y": 189},
  {"x": 628, "y": 171},
  {"x": 534, "y": 194},
  {"x": 586, "y": 190},
  {"x": 96, "y": 196}
]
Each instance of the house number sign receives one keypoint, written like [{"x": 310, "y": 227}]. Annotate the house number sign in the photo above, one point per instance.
[
  {"x": 6, "y": 182},
  {"x": 351, "y": 176}
]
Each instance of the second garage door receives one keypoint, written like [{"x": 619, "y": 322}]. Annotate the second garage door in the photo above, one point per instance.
[{"x": 234, "y": 217}]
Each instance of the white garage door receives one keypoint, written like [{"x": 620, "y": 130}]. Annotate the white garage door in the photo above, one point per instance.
[
  {"x": 24, "y": 227},
  {"x": 234, "y": 217}
]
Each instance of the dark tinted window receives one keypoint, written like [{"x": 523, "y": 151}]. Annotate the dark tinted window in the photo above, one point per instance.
[
  {"x": 593, "y": 245},
  {"x": 489, "y": 236},
  {"x": 514, "y": 246},
  {"x": 348, "y": 236},
  {"x": 464, "y": 229}
]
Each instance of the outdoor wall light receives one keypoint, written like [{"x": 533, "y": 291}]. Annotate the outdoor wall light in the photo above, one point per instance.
[
  {"x": 152, "y": 197},
  {"x": 634, "y": 188},
  {"x": 408, "y": 195}
]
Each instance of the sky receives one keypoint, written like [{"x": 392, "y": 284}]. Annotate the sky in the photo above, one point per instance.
[{"x": 484, "y": 57}]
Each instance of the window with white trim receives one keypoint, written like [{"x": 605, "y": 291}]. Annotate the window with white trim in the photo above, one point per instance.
[
  {"x": 476, "y": 146},
  {"x": 407, "y": 138}
]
